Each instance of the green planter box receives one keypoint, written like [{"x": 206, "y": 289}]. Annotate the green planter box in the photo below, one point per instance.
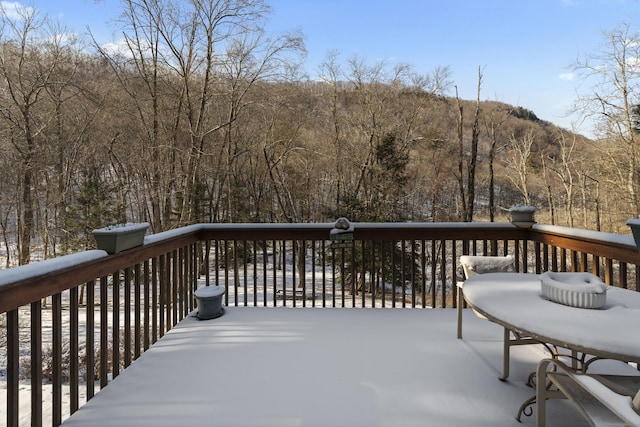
[
  {"x": 522, "y": 216},
  {"x": 634, "y": 224},
  {"x": 118, "y": 238}
]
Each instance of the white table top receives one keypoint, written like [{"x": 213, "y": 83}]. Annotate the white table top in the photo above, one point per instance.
[{"x": 515, "y": 300}]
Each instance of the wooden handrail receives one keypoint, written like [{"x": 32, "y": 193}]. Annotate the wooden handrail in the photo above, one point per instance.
[
  {"x": 607, "y": 245},
  {"x": 25, "y": 289}
]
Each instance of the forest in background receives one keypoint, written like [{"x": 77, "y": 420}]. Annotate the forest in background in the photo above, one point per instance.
[{"x": 201, "y": 116}]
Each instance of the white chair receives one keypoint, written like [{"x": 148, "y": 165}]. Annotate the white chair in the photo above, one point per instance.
[
  {"x": 474, "y": 265},
  {"x": 611, "y": 400}
]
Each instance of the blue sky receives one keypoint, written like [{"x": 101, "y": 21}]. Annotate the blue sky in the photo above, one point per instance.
[{"x": 525, "y": 48}]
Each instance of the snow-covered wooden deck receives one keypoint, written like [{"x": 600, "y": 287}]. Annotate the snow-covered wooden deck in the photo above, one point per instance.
[{"x": 323, "y": 367}]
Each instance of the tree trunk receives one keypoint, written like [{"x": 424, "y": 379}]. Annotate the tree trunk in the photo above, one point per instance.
[
  {"x": 473, "y": 160},
  {"x": 463, "y": 198}
]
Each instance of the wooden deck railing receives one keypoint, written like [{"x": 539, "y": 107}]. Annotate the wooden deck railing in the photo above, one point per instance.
[{"x": 86, "y": 317}]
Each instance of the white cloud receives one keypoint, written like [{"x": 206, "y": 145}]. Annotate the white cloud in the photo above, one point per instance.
[
  {"x": 117, "y": 48},
  {"x": 63, "y": 39},
  {"x": 634, "y": 63},
  {"x": 567, "y": 76},
  {"x": 121, "y": 49},
  {"x": 14, "y": 9}
]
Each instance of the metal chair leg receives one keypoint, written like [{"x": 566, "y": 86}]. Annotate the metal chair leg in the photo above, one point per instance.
[{"x": 459, "y": 308}]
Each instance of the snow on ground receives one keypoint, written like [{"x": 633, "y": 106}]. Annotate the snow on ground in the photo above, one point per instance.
[{"x": 323, "y": 367}]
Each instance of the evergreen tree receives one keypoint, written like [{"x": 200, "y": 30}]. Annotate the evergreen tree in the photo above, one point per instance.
[{"x": 96, "y": 206}]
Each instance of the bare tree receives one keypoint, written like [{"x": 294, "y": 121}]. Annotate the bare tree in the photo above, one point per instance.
[
  {"x": 493, "y": 124},
  {"x": 31, "y": 53},
  {"x": 473, "y": 159},
  {"x": 517, "y": 160},
  {"x": 461, "y": 158},
  {"x": 564, "y": 169},
  {"x": 548, "y": 188},
  {"x": 612, "y": 76},
  {"x": 331, "y": 74},
  {"x": 249, "y": 60},
  {"x": 468, "y": 188},
  {"x": 188, "y": 68},
  {"x": 140, "y": 69}
]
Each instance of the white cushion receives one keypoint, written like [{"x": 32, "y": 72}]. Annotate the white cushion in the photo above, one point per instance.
[{"x": 475, "y": 264}]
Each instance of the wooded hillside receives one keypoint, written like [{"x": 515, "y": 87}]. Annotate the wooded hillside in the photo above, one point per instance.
[{"x": 194, "y": 120}]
